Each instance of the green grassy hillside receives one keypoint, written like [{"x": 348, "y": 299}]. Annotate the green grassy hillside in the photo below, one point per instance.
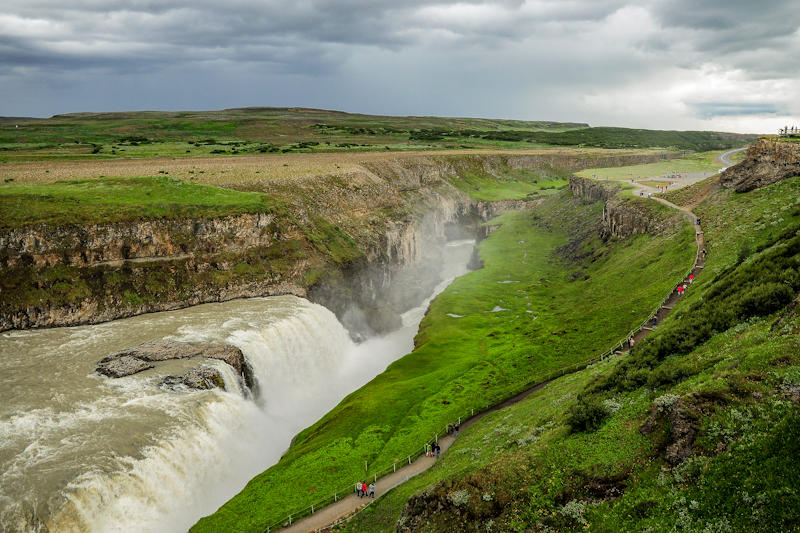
[
  {"x": 696, "y": 430},
  {"x": 550, "y": 294}
]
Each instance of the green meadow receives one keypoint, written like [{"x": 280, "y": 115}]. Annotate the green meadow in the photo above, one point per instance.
[
  {"x": 699, "y": 162},
  {"x": 88, "y": 136},
  {"x": 89, "y": 201}
]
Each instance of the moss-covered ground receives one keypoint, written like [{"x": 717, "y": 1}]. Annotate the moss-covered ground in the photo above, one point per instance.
[
  {"x": 691, "y": 432},
  {"x": 550, "y": 294}
]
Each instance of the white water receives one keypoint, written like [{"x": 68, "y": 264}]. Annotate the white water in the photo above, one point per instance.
[{"x": 84, "y": 453}]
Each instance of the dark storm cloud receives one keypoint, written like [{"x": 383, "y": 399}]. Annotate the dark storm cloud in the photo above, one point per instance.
[
  {"x": 728, "y": 26},
  {"x": 579, "y": 59},
  {"x": 49, "y": 32}
]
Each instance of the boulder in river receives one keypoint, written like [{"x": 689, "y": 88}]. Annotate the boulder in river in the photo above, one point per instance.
[
  {"x": 199, "y": 377},
  {"x": 124, "y": 365},
  {"x": 140, "y": 357}
]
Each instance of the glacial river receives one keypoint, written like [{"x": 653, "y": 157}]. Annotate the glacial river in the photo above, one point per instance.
[{"x": 84, "y": 453}]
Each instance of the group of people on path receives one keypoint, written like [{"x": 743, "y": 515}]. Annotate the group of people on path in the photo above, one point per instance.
[
  {"x": 434, "y": 450},
  {"x": 363, "y": 490},
  {"x": 681, "y": 288}
]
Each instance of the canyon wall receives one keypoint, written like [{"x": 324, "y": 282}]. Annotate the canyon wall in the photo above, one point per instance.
[
  {"x": 341, "y": 240},
  {"x": 622, "y": 216}
]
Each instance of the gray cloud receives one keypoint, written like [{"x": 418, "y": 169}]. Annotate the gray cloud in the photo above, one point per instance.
[
  {"x": 513, "y": 58},
  {"x": 711, "y": 109}
]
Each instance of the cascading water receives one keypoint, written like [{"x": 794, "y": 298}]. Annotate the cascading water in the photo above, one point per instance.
[{"x": 79, "y": 452}]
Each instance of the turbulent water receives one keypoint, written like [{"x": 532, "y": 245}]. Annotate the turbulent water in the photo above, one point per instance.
[{"x": 80, "y": 452}]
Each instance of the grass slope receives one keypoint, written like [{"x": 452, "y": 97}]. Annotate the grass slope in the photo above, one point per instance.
[
  {"x": 736, "y": 391},
  {"x": 528, "y": 311}
]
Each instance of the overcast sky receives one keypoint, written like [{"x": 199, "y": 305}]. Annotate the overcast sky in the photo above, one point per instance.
[{"x": 731, "y": 65}]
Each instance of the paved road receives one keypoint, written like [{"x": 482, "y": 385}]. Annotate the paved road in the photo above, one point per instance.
[{"x": 725, "y": 158}]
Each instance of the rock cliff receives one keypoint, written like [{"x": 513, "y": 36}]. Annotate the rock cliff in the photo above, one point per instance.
[
  {"x": 98, "y": 244},
  {"x": 767, "y": 161},
  {"x": 622, "y": 216}
]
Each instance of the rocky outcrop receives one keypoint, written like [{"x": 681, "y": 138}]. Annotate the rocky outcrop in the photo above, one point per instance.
[
  {"x": 767, "y": 161},
  {"x": 632, "y": 216},
  {"x": 591, "y": 190},
  {"x": 622, "y": 217},
  {"x": 487, "y": 210},
  {"x": 141, "y": 357},
  {"x": 198, "y": 378}
]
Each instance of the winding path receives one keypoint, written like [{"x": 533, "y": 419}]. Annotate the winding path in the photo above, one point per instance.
[{"x": 333, "y": 514}]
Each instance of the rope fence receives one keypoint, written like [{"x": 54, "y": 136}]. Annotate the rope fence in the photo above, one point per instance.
[{"x": 538, "y": 380}]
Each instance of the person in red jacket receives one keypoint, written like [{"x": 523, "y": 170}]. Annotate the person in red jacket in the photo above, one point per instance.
[{"x": 363, "y": 490}]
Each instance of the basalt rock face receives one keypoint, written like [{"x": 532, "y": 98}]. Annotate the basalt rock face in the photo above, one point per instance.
[
  {"x": 591, "y": 190},
  {"x": 767, "y": 161},
  {"x": 141, "y": 357},
  {"x": 400, "y": 269},
  {"x": 98, "y": 244},
  {"x": 631, "y": 216}
]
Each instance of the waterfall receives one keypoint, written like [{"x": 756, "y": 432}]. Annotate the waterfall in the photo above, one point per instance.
[{"x": 84, "y": 453}]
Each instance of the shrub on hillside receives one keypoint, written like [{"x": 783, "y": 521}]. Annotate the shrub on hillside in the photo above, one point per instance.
[{"x": 587, "y": 414}]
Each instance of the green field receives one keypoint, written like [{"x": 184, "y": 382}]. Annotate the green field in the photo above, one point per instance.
[
  {"x": 550, "y": 294},
  {"x": 700, "y": 162},
  {"x": 515, "y": 184},
  {"x": 117, "y": 199},
  {"x": 91, "y": 136}
]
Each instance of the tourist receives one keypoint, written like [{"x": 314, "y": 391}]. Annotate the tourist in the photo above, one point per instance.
[
  {"x": 438, "y": 449},
  {"x": 358, "y": 489},
  {"x": 631, "y": 342},
  {"x": 371, "y": 490},
  {"x": 457, "y": 427},
  {"x": 363, "y": 489}
]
